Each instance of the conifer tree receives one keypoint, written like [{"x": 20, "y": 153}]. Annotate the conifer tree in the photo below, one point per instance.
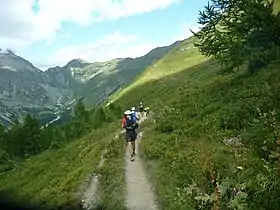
[
  {"x": 1, "y": 135},
  {"x": 239, "y": 32}
]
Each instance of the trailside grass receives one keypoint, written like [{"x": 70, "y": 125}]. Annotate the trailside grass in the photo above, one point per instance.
[
  {"x": 54, "y": 179},
  {"x": 196, "y": 108},
  {"x": 112, "y": 176}
]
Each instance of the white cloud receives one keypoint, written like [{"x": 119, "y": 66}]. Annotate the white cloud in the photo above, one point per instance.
[
  {"x": 20, "y": 25},
  {"x": 115, "y": 45}
]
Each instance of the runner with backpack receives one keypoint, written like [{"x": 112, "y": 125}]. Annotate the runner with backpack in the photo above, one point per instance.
[{"x": 129, "y": 123}]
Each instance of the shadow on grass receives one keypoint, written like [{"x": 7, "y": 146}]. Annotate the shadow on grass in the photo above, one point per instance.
[
  {"x": 155, "y": 89},
  {"x": 10, "y": 201},
  {"x": 156, "y": 92}
]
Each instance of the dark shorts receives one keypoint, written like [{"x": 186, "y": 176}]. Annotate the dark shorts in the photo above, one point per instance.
[
  {"x": 141, "y": 109},
  {"x": 130, "y": 136}
]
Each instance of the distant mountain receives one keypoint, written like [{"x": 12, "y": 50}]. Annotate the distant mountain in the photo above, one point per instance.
[
  {"x": 23, "y": 87},
  {"x": 104, "y": 78},
  {"x": 22, "y": 83}
]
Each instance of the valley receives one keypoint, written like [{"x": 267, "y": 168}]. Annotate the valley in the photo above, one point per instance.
[{"x": 26, "y": 89}]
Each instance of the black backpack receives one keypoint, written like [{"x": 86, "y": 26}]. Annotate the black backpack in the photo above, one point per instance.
[{"x": 130, "y": 125}]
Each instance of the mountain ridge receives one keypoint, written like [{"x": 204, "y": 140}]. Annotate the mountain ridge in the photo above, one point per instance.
[{"x": 23, "y": 85}]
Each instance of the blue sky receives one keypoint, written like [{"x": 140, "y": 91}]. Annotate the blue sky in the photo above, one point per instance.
[{"x": 52, "y": 32}]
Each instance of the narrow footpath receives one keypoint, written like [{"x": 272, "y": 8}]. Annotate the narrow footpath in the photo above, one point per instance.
[{"x": 140, "y": 195}]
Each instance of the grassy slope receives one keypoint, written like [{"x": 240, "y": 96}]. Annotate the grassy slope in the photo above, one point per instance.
[
  {"x": 197, "y": 107},
  {"x": 112, "y": 176},
  {"x": 151, "y": 81},
  {"x": 55, "y": 177},
  {"x": 277, "y": 4},
  {"x": 117, "y": 73}
]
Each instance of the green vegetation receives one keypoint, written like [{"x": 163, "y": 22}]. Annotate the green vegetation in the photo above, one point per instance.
[
  {"x": 240, "y": 32},
  {"x": 116, "y": 74},
  {"x": 214, "y": 143},
  {"x": 187, "y": 141},
  {"x": 276, "y": 5},
  {"x": 30, "y": 138},
  {"x": 186, "y": 54},
  {"x": 112, "y": 180},
  {"x": 54, "y": 177},
  {"x": 47, "y": 165}
]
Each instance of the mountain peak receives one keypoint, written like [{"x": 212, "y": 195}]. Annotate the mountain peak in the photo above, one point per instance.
[
  {"x": 9, "y": 60},
  {"x": 77, "y": 63},
  {"x": 7, "y": 52},
  {"x": 79, "y": 60}
]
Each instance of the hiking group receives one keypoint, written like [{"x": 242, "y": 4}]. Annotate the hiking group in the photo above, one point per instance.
[{"x": 130, "y": 122}]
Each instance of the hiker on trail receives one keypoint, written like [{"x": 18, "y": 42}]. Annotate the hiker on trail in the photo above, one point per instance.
[
  {"x": 129, "y": 123},
  {"x": 134, "y": 113},
  {"x": 141, "y": 108},
  {"x": 147, "y": 110}
]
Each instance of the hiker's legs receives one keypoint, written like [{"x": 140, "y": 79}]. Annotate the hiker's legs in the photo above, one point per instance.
[
  {"x": 130, "y": 148},
  {"x": 130, "y": 137},
  {"x": 128, "y": 142},
  {"x": 132, "y": 143},
  {"x": 134, "y": 137}
]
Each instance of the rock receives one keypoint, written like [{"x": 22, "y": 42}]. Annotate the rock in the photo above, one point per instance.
[{"x": 233, "y": 141}]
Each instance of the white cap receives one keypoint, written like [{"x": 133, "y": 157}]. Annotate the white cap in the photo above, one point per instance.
[
  {"x": 133, "y": 109},
  {"x": 127, "y": 112}
]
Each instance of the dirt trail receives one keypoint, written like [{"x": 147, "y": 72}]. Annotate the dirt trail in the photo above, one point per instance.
[
  {"x": 139, "y": 192},
  {"x": 91, "y": 196}
]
